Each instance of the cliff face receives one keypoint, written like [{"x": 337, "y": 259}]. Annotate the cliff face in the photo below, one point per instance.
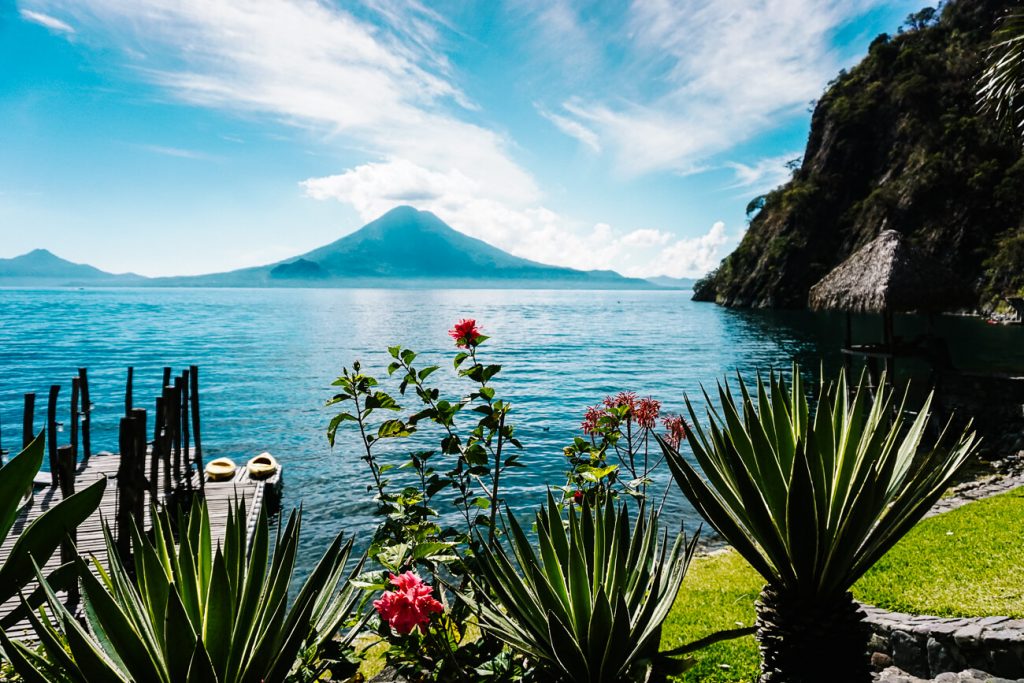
[{"x": 895, "y": 143}]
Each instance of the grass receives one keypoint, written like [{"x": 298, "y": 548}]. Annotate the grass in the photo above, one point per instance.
[
  {"x": 718, "y": 593},
  {"x": 965, "y": 563},
  {"x": 968, "y": 562}
]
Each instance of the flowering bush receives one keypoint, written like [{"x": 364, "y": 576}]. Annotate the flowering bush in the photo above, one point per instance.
[
  {"x": 412, "y": 491},
  {"x": 615, "y": 454}
]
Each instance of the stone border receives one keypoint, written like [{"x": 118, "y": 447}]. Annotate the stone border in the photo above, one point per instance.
[{"x": 929, "y": 646}]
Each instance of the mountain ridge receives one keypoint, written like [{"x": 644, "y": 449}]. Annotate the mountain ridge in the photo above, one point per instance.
[{"x": 405, "y": 247}]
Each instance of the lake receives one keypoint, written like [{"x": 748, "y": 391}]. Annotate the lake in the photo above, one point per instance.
[{"x": 268, "y": 356}]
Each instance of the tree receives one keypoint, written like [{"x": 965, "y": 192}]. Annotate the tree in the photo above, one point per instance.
[{"x": 1001, "y": 89}]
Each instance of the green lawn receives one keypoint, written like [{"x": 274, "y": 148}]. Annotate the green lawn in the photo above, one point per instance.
[{"x": 968, "y": 562}]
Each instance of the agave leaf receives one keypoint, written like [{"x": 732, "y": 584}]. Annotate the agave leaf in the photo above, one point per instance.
[
  {"x": 42, "y": 536},
  {"x": 16, "y": 479}
]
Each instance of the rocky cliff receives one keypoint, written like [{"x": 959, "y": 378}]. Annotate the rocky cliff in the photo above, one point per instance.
[{"x": 897, "y": 142}]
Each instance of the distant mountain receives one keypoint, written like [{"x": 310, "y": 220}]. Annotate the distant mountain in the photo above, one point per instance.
[
  {"x": 672, "y": 282},
  {"x": 42, "y": 268},
  {"x": 409, "y": 248}
]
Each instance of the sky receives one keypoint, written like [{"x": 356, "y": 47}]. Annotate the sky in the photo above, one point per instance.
[{"x": 168, "y": 137}]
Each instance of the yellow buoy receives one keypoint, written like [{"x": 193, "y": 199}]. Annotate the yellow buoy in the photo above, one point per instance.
[
  {"x": 220, "y": 469},
  {"x": 262, "y": 466}
]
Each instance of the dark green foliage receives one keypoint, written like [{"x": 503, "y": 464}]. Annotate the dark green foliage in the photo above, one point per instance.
[
  {"x": 40, "y": 539},
  {"x": 190, "y": 610},
  {"x": 897, "y": 142},
  {"x": 586, "y": 603}
]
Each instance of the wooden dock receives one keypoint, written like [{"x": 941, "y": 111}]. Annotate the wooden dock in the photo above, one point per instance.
[
  {"x": 220, "y": 496},
  {"x": 161, "y": 464}
]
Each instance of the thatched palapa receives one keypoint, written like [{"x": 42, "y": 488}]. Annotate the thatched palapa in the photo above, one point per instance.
[{"x": 887, "y": 275}]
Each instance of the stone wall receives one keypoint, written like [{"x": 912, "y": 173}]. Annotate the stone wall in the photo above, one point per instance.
[{"x": 928, "y": 646}]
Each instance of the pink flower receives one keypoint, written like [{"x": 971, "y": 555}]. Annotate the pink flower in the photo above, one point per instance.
[
  {"x": 646, "y": 412},
  {"x": 409, "y": 606},
  {"x": 591, "y": 419},
  {"x": 675, "y": 430},
  {"x": 465, "y": 333}
]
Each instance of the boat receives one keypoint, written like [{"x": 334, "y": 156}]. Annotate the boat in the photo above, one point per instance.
[
  {"x": 263, "y": 466},
  {"x": 221, "y": 469}
]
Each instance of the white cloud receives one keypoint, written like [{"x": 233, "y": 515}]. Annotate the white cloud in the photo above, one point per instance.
[
  {"x": 694, "y": 256},
  {"x": 533, "y": 232},
  {"x": 764, "y": 174},
  {"x": 573, "y": 128},
  {"x": 383, "y": 88},
  {"x": 713, "y": 74},
  {"x": 178, "y": 152},
  {"x": 646, "y": 237},
  {"x": 46, "y": 20}
]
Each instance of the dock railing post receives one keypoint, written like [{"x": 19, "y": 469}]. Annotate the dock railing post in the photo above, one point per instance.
[
  {"x": 193, "y": 376},
  {"x": 51, "y": 431},
  {"x": 28, "y": 419},
  {"x": 185, "y": 450},
  {"x": 125, "y": 469},
  {"x": 165, "y": 439},
  {"x": 66, "y": 477},
  {"x": 138, "y": 471},
  {"x": 128, "y": 392},
  {"x": 83, "y": 380},
  {"x": 74, "y": 414},
  {"x": 156, "y": 453}
]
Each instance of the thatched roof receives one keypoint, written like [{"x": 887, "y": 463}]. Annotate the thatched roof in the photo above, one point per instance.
[{"x": 887, "y": 274}]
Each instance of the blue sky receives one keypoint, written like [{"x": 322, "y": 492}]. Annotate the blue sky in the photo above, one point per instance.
[{"x": 189, "y": 136}]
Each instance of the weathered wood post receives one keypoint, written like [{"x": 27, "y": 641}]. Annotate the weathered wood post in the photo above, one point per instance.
[
  {"x": 122, "y": 514},
  {"x": 157, "y": 452},
  {"x": 28, "y": 419},
  {"x": 51, "y": 431},
  {"x": 139, "y": 470},
  {"x": 185, "y": 450},
  {"x": 165, "y": 438},
  {"x": 74, "y": 414},
  {"x": 173, "y": 403},
  {"x": 83, "y": 380},
  {"x": 167, "y": 376},
  {"x": 66, "y": 477},
  {"x": 128, "y": 393},
  {"x": 193, "y": 375}
]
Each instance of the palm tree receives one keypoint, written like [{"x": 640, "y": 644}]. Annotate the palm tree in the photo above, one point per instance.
[
  {"x": 811, "y": 502},
  {"x": 1001, "y": 89}
]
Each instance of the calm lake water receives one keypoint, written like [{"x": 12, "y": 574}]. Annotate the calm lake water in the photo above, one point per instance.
[{"x": 267, "y": 359}]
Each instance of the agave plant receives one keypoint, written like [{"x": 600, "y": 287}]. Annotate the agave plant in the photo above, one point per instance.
[
  {"x": 811, "y": 502},
  {"x": 590, "y": 607},
  {"x": 42, "y": 536},
  {"x": 193, "y": 613}
]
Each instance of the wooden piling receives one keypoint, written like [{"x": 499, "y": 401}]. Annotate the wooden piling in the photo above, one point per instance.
[
  {"x": 138, "y": 508},
  {"x": 128, "y": 393},
  {"x": 74, "y": 414},
  {"x": 51, "y": 431},
  {"x": 83, "y": 380},
  {"x": 183, "y": 430},
  {"x": 165, "y": 438},
  {"x": 122, "y": 513},
  {"x": 197, "y": 453},
  {"x": 173, "y": 402},
  {"x": 28, "y": 421},
  {"x": 167, "y": 376},
  {"x": 157, "y": 450},
  {"x": 65, "y": 476}
]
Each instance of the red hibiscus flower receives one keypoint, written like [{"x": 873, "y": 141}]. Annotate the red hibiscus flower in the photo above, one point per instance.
[
  {"x": 675, "y": 430},
  {"x": 465, "y": 333},
  {"x": 646, "y": 412},
  {"x": 578, "y": 496},
  {"x": 409, "y": 606}
]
